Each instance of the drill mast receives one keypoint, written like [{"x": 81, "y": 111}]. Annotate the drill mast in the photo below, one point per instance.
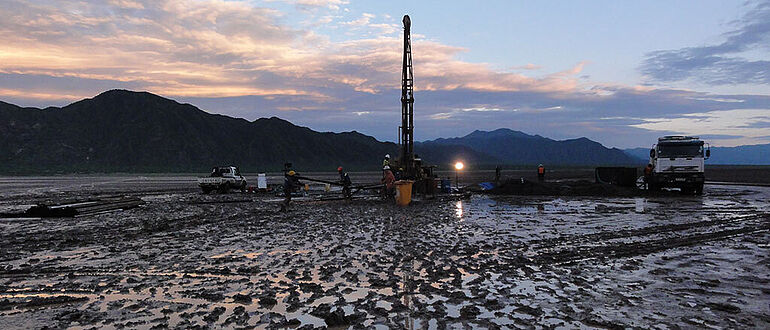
[{"x": 407, "y": 105}]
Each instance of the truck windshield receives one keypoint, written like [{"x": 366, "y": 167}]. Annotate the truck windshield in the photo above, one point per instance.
[{"x": 680, "y": 150}]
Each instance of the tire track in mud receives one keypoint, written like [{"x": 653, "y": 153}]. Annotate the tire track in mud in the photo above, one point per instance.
[
  {"x": 627, "y": 233},
  {"x": 601, "y": 247}
]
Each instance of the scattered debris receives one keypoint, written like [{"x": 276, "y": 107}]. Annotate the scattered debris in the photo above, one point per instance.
[{"x": 78, "y": 208}]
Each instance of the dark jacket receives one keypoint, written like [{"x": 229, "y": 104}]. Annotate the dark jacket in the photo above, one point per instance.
[
  {"x": 289, "y": 182},
  {"x": 345, "y": 179}
]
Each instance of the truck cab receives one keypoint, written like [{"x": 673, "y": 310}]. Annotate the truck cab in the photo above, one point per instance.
[{"x": 679, "y": 162}]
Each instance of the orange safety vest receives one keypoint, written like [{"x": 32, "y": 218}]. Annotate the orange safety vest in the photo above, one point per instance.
[{"x": 541, "y": 170}]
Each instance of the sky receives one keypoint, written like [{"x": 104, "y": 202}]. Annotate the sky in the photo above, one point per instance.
[{"x": 618, "y": 72}]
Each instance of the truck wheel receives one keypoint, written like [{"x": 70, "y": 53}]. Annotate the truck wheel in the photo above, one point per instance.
[
  {"x": 206, "y": 190},
  {"x": 224, "y": 188},
  {"x": 243, "y": 186}
]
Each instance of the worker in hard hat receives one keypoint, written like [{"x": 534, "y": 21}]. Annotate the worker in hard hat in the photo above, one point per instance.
[
  {"x": 388, "y": 182},
  {"x": 345, "y": 180},
  {"x": 540, "y": 173},
  {"x": 386, "y": 161},
  {"x": 289, "y": 182}
]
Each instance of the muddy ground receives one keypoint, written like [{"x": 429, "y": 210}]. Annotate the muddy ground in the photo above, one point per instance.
[{"x": 187, "y": 260}]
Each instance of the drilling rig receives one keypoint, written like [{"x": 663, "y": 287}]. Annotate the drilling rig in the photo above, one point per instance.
[
  {"x": 406, "y": 160},
  {"x": 409, "y": 164}
]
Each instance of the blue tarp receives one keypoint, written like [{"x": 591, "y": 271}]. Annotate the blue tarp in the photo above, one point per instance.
[{"x": 487, "y": 185}]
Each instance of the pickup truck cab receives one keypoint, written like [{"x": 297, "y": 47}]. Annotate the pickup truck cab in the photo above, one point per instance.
[{"x": 223, "y": 179}]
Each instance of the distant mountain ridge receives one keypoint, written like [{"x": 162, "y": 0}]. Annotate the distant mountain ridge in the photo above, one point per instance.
[
  {"x": 758, "y": 154},
  {"x": 511, "y": 147},
  {"x": 125, "y": 131}
]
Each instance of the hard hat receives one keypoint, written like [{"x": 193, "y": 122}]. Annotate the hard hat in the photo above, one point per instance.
[
  {"x": 386, "y": 168},
  {"x": 541, "y": 165},
  {"x": 292, "y": 172},
  {"x": 339, "y": 169},
  {"x": 387, "y": 156}
]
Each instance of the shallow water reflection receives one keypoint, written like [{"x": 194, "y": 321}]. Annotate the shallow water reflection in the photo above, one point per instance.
[{"x": 459, "y": 210}]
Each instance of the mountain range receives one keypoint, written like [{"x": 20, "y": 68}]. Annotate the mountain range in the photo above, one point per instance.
[
  {"x": 742, "y": 155},
  {"x": 505, "y": 146},
  {"x": 125, "y": 131}
]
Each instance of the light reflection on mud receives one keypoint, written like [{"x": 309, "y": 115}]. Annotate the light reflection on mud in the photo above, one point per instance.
[
  {"x": 459, "y": 210},
  {"x": 508, "y": 262}
]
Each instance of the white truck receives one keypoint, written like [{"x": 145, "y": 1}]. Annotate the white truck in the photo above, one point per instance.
[
  {"x": 223, "y": 179},
  {"x": 678, "y": 162}
]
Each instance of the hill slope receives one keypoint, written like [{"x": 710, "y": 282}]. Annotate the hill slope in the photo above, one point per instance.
[
  {"x": 517, "y": 148},
  {"x": 135, "y": 131}
]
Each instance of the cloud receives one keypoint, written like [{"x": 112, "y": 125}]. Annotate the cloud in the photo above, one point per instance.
[
  {"x": 362, "y": 21},
  {"x": 168, "y": 45},
  {"x": 720, "y": 64},
  {"x": 228, "y": 48},
  {"x": 611, "y": 119},
  {"x": 720, "y": 137},
  {"x": 237, "y": 58},
  {"x": 129, "y": 4},
  {"x": 308, "y": 4},
  {"x": 528, "y": 66},
  {"x": 765, "y": 124},
  {"x": 719, "y": 125}
]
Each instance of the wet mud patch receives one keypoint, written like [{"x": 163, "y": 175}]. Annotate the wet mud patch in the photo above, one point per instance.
[{"x": 191, "y": 260}]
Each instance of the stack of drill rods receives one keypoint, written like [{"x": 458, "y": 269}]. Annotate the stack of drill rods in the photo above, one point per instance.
[
  {"x": 338, "y": 183},
  {"x": 121, "y": 204}
]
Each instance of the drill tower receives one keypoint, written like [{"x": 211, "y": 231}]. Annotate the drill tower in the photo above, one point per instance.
[{"x": 407, "y": 106}]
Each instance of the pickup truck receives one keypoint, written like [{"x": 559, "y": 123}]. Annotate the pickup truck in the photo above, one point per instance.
[{"x": 223, "y": 179}]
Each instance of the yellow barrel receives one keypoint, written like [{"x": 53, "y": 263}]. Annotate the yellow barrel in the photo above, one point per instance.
[{"x": 403, "y": 192}]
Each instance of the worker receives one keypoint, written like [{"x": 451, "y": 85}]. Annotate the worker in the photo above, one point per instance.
[
  {"x": 540, "y": 173},
  {"x": 289, "y": 182},
  {"x": 386, "y": 161},
  {"x": 498, "y": 171},
  {"x": 345, "y": 181},
  {"x": 388, "y": 181},
  {"x": 647, "y": 176}
]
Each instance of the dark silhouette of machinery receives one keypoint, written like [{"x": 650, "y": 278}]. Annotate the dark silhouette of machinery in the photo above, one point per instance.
[
  {"x": 408, "y": 164},
  {"x": 406, "y": 160}
]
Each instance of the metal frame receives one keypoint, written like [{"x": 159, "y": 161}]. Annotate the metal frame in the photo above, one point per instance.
[{"x": 407, "y": 104}]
